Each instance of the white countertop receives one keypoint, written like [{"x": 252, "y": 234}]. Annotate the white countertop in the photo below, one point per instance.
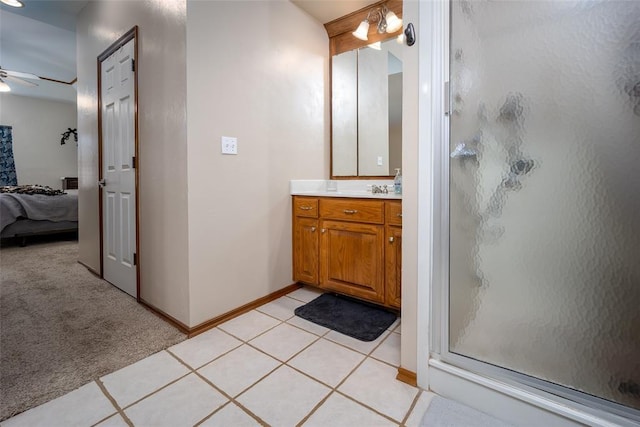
[{"x": 352, "y": 188}]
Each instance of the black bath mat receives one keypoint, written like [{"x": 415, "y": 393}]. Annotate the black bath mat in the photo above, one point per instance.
[{"x": 357, "y": 319}]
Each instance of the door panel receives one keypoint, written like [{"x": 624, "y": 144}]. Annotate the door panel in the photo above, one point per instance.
[
  {"x": 393, "y": 258},
  {"x": 544, "y": 195},
  {"x": 306, "y": 244},
  {"x": 118, "y": 151},
  {"x": 352, "y": 259}
]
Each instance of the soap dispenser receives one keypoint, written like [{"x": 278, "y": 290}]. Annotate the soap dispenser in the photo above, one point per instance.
[{"x": 397, "y": 182}]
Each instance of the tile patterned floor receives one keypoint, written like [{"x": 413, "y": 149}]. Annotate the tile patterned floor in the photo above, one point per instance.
[{"x": 266, "y": 367}]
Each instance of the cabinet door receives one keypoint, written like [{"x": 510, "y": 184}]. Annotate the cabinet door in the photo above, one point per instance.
[
  {"x": 393, "y": 270},
  {"x": 305, "y": 250},
  {"x": 352, "y": 259}
]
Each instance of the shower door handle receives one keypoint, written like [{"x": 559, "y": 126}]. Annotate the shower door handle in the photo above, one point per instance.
[{"x": 447, "y": 99}]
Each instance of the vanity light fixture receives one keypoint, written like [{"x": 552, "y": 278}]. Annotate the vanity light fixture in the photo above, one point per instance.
[
  {"x": 388, "y": 22},
  {"x": 13, "y": 3},
  {"x": 375, "y": 46},
  {"x": 362, "y": 30},
  {"x": 4, "y": 87},
  {"x": 393, "y": 22}
]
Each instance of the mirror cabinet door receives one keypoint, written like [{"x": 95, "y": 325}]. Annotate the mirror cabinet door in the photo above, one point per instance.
[
  {"x": 373, "y": 113},
  {"x": 344, "y": 112},
  {"x": 367, "y": 111}
]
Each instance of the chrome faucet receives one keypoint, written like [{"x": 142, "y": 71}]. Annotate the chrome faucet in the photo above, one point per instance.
[{"x": 379, "y": 189}]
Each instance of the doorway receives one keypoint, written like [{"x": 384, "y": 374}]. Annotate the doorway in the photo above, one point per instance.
[{"x": 118, "y": 132}]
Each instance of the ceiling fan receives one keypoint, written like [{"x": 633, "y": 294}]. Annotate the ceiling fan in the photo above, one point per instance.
[{"x": 15, "y": 77}]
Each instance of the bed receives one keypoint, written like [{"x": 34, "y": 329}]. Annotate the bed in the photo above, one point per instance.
[{"x": 45, "y": 212}]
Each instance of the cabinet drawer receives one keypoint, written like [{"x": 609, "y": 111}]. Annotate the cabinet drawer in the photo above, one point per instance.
[
  {"x": 371, "y": 211},
  {"x": 305, "y": 206},
  {"x": 394, "y": 213}
]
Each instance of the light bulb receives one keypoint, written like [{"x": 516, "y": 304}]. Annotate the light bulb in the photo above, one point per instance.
[
  {"x": 393, "y": 22},
  {"x": 13, "y": 3},
  {"x": 376, "y": 46},
  {"x": 362, "y": 30},
  {"x": 4, "y": 87}
]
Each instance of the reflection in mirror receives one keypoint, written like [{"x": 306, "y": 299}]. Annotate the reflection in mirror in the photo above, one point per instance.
[
  {"x": 367, "y": 111},
  {"x": 344, "y": 100}
]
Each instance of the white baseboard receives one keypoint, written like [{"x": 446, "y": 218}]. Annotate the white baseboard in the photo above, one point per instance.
[{"x": 506, "y": 402}]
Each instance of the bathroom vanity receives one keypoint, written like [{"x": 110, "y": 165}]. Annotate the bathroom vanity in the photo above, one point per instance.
[
  {"x": 346, "y": 237},
  {"x": 349, "y": 243}
]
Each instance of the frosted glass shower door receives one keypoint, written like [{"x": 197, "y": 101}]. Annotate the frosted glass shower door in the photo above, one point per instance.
[{"x": 544, "y": 192}]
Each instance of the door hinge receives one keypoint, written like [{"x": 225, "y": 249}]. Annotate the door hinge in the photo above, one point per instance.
[
  {"x": 133, "y": 65},
  {"x": 135, "y": 258},
  {"x": 133, "y": 162}
]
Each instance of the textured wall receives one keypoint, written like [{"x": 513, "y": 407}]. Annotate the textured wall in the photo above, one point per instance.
[
  {"x": 411, "y": 79},
  {"x": 162, "y": 141},
  {"x": 38, "y": 125},
  {"x": 267, "y": 85}
]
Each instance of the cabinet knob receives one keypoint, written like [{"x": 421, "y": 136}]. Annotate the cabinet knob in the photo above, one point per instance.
[
  {"x": 391, "y": 239},
  {"x": 313, "y": 229},
  {"x": 399, "y": 215},
  {"x": 323, "y": 230},
  {"x": 350, "y": 211}
]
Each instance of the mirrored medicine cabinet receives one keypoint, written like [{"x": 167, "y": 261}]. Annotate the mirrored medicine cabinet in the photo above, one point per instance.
[{"x": 366, "y": 98}]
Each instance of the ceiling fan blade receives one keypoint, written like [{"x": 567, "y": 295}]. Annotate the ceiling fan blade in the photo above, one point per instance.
[
  {"x": 20, "y": 81},
  {"x": 19, "y": 74}
]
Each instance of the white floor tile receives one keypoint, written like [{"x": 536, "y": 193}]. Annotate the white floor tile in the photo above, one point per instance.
[
  {"x": 327, "y": 361},
  {"x": 389, "y": 350},
  {"x": 284, "y": 398},
  {"x": 395, "y": 326},
  {"x": 146, "y": 376},
  {"x": 421, "y": 407},
  {"x": 374, "y": 384},
  {"x": 203, "y": 348},
  {"x": 338, "y": 411},
  {"x": 282, "y": 308},
  {"x": 114, "y": 421},
  {"x": 239, "y": 369},
  {"x": 283, "y": 341},
  {"x": 232, "y": 416},
  {"x": 183, "y": 403},
  {"x": 249, "y": 325},
  {"x": 314, "y": 328},
  {"x": 305, "y": 294},
  {"x": 364, "y": 347},
  {"x": 84, "y": 406}
]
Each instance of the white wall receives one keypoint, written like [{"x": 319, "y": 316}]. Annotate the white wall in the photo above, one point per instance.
[
  {"x": 254, "y": 77},
  {"x": 38, "y": 125},
  {"x": 410, "y": 152},
  {"x": 162, "y": 141}
]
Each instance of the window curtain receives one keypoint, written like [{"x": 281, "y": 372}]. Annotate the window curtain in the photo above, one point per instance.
[{"x": 7, "y": 165}]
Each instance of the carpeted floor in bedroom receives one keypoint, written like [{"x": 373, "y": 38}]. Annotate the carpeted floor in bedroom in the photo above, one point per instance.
[{"x": 62, "y": 327}]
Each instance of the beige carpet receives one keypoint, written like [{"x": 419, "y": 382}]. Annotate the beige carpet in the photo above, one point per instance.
[{"x": 61, "y": 327}]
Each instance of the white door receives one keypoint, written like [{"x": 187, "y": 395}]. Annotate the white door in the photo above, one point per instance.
[{"x": 118, "y": 173}]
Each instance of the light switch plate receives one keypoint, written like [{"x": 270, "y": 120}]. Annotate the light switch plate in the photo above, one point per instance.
[
  {"x": 229, "y": 145},
  {"x": 379, "y": 160}
]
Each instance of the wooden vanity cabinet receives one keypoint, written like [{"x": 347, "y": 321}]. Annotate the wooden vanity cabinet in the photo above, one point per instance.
[
  {"x": 305, "y": 240},
  {"x": 349, "y": 246},
  {"x": 393, "y": 254},
  {"x": 352, "y": 259}
]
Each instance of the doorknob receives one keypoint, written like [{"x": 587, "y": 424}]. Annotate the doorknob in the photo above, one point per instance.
[{"x": 102, "y": 183}]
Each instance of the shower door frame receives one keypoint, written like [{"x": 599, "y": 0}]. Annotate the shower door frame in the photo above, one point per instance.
[{"x": 562, "y": 400}]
